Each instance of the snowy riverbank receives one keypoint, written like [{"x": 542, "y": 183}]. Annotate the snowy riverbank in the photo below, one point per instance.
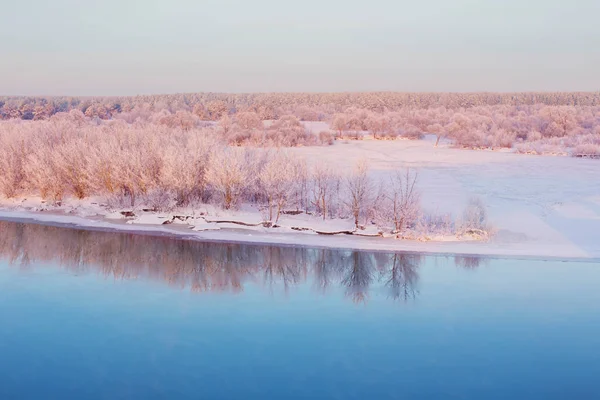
[
  {"x": 538, "y": 206},
  {"x": 242, "y": 230}
]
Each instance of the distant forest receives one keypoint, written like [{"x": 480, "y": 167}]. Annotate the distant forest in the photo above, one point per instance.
[
  {"x": 270, "y": 106},
  {"x": 533, "y": 123}
]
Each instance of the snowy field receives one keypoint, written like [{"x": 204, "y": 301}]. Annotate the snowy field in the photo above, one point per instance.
[{"x": 539, "y": 206}]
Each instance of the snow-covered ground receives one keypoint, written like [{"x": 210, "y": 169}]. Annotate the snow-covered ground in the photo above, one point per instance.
[{"x": 539, "y": 206}]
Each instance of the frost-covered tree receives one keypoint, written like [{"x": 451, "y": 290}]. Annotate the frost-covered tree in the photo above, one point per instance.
[
  {"x": 216, "y": 109},
  {"x": 403, "y": 199},
  {"x": 562, "y": 120},
  {"x": 248, "y": 120},
  {"x": 276, "y": 181},
  {"x": 360, "y": 188},
  {"x": 288, "y": 131},
  {"x": 439, "y": 132},
  {"x": 229, "y": 175},
  {"x": 185, "y": 166},
  {"x": 225, "y": 124},
  {"x": 325, "y": 185},
  {"x": 339, "y": 124},
  {"x": 13, "y": 154}
]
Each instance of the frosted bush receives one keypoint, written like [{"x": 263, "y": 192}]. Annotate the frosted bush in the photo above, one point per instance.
[
  {"x": 431, "y": 224},
  {"x": 474, "y": 217},
  {"x": 587, "y": 150},
  {"x": 534, "y": 136},
  {"x": 326, "y": 137},
  {"x": 159, "y": 199}
]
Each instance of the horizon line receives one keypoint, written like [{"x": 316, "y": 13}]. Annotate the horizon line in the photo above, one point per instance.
[{"x": 307, "y": 92}]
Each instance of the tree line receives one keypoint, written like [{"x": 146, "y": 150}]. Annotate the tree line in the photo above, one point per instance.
[
  {"x": 164, "y": 168},
  {"x": 313, "y": 106}
]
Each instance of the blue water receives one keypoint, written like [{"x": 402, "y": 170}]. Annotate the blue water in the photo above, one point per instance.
[{"x": 97, "y": 315}]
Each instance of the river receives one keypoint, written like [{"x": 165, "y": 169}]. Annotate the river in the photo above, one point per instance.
[{"x": 105, "y": 315}]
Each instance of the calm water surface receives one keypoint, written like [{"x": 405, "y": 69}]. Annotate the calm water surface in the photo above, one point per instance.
[{"x": 97, "y": 315}]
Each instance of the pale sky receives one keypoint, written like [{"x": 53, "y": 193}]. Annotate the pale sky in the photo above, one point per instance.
[{"x": 128, "y": 47}]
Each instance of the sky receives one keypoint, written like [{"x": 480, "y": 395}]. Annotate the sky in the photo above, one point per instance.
[{"x": 129, "y": 47}]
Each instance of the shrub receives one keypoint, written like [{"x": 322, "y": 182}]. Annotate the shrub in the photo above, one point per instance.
[
  {"x": 435, "y": 224},
  {"x": 326, "y": 137},
  {"x": 474, "y": 217},
  {"x": 587, "y": 150}
]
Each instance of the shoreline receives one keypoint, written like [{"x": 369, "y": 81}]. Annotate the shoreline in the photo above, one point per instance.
[{"x": 487, "y": 250}]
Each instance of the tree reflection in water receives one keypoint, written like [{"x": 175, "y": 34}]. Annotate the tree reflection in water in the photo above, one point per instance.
[
  {"x": 469, "y": 262},
  {"x": 210, "y": 267},
  {"x": 402, "y": 276}
]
